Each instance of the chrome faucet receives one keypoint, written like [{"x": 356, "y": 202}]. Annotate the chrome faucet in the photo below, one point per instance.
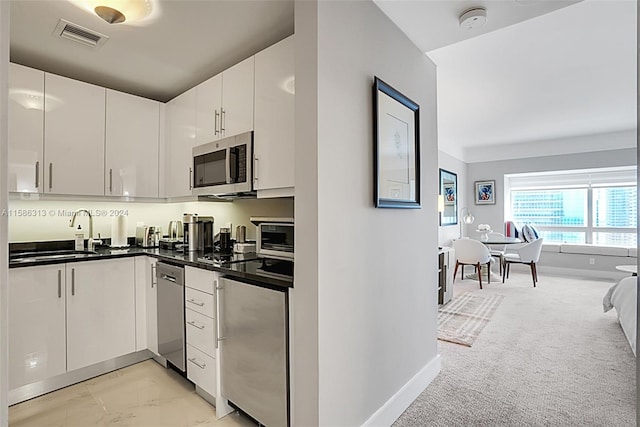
[{"x": 90, "y": 243}]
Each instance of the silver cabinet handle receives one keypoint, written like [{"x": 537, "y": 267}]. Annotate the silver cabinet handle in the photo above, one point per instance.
[
  {"x": 215, "y": 122},
  {"x": 223, "y": 120},
  {"x": 73, "y": 281},
  {"x": 153, "y": 274},
  {"x": 190, "y": 181},
  {"x": 37, "y": 174},
  {"x": 221, "y": 338},
  {"x": 111, "y": 181},
  {"x": 198, "y": 303},
  {"x": 50, "y": 176},
  {"x": 217, "y": 328},
  {"x": 59, "y": 283},
  {"x": 195, "y": 362},
  {"x": 195, "y": 325}
]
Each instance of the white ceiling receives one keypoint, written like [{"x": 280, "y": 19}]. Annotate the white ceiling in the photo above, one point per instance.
[
  {"x": 432, "y": 24},
  {"x": 552, "y": 77},
  {"x": 190, "y": 41}
]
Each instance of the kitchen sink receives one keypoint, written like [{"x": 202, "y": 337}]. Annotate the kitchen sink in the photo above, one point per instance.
[{"x": 49, "y": 255}]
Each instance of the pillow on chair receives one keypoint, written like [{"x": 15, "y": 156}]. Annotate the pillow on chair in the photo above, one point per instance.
[
  {"x": 511, "y": 229},
  {"x": 529, "y": 233}
]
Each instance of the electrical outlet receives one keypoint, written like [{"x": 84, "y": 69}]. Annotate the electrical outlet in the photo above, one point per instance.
[{"x": 592, "y": 261}]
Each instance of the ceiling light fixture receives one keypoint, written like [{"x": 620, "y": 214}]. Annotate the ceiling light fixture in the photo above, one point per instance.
[
  {"x": 473, "y": 18},
  {"x": 126, "y": 12},
  {"x": 109, "y": 14}
]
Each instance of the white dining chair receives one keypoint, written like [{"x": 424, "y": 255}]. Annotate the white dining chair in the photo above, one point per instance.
[
  {"x": 472, "y": 252},
  {"x": 529, "y": 254},
  {"x": 497, "y": 250}
]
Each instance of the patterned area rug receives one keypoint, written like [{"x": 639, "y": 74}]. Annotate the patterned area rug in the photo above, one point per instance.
[{"x": 462, "y": 319}]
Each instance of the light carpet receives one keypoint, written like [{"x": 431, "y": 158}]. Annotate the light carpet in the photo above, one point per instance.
[
  {"x": 548, "y": 357},
  {"x": 462, "y": 319}
]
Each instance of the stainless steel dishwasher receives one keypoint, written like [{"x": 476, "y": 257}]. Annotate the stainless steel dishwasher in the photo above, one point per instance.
[
  {"x": 254, "y": 346},
  {"x": 171, "y": 344}
]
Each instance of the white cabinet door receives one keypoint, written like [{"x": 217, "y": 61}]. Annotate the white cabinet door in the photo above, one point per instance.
[
  {"x": 36, "y": 298},
  {"x": 146, "y": 304},
  {"x": 74, "y": 137},
  {"x": 101, "y": 321},
  {"x": 26, "y": 129},
  {"x": 209, "y": 110},
  {"x": 274, "y": 139},
  {"x": 132, "y": 126},
  {"x": 180, "y": 138},
  {"x": 237, "y": 98}
]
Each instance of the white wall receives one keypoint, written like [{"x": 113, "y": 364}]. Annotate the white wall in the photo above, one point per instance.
[
  {"x": 495, "y": 170},
  {"x": 552, "y": 147},
  {"x": 4, "y": 64},
  {"x": 41, "y": 220},
  {"x": 559, "y": 263},
  {"x": 447, "y": 233},
  {"x": 376, "y": 268}
]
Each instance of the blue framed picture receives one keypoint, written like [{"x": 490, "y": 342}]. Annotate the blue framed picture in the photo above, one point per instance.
[{"x": 485, "y": 192}]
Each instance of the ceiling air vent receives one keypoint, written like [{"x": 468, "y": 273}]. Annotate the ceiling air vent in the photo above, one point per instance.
[{"x": 82, "y": 35}]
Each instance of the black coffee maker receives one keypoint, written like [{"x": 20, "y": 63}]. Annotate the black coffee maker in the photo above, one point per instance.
[{"x": 226, "y": 245}]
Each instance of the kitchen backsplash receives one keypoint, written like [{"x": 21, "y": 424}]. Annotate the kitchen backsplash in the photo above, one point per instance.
[{"x": 42, "y": 220}]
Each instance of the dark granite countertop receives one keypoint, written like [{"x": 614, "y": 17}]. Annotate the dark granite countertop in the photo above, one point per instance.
[{"x": 244, "y": 266}]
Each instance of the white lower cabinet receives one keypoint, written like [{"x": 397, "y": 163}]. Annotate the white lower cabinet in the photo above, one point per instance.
[
  {"x": 101, "y": 318},
  {"x": 201, "y": 369},
  {"x": 203, "y": 353},
  {"x": 200, "y": 325},
  {"x": 146, "y": 304},
  {"x": 37, "y": 333}
]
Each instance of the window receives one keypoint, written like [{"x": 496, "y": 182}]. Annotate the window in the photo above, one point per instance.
[{"x": 596, "y": 206}]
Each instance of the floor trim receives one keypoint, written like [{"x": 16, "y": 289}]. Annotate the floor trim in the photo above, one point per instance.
[
  {"x": 39, "y": 388},
  {"x": 399, "y": 402}
]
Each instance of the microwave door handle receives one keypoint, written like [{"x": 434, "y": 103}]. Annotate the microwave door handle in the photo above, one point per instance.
[{"x": 228, "y": 165}]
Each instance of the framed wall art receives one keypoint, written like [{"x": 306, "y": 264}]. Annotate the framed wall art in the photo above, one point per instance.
[
  {"x": 396, "y": 140},
  {"x": 449, "y": 191},
  {"x": 485, "y": 192}
]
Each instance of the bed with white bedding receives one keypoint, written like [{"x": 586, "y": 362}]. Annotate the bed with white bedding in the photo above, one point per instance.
[{"x": 622, "y": 296}]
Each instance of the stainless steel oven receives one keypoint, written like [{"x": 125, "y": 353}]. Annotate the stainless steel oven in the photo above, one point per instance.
[
  {"x": 171, "y": 340},
  {"x": 224, "y": 166}
]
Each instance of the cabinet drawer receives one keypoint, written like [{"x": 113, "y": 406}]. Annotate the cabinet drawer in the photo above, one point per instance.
[
  {"x": 199, "y": 279},
  {"x": 199, "y": 301},
  {"x": 200, "y": 331},
  {"x": 201, "y": 369}
]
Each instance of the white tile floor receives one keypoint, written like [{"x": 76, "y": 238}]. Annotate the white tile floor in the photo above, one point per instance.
[{"x": 145, "y": 394}]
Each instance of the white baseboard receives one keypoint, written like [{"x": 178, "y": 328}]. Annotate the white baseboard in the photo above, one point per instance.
[
  {"x": 399, "y": 402},
  {"x": 576, "y": 272}
]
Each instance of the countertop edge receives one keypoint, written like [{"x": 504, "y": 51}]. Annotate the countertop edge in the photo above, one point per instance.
[{"x": 104, "y": 254}]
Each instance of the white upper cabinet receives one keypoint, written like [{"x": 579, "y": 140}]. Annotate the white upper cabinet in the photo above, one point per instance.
[
  {"x": 274, "y": 139},
  {"x": 26, "y": 129},
  {"x": 224, "y": 103},
  {"x": 132, "y": 126},
  {"x": 179, "y": 140},
  {"x": 74, "y": 126},
  {"x": 208, "y": 110},
  {"x": 237, "y": 98}
]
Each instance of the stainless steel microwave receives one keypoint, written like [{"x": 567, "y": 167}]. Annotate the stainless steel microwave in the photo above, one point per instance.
[
  {"x": 224, "y": 166},
  {"x": 274, "y": 237}
]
